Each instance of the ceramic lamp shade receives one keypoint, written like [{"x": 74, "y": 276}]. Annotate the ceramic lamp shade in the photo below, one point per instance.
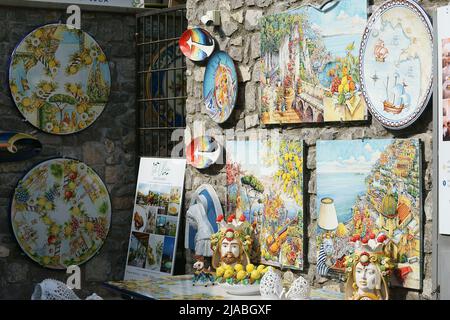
[{"x": 327, "y": 215}]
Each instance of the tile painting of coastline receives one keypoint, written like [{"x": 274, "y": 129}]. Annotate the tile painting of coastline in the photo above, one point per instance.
[
  {"x": 309, "y": 69},
  {"x": 376, "y": 188},
  {"x": 265, "y": 184}
]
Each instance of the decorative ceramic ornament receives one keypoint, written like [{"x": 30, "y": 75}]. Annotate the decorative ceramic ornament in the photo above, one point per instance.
[
  {"x": 271, "y": 287},
  {"x": 202, "y": 152},
  {"x": 61, "y": 213},
  {"x": 202, "y": 275},
  {"x": 368, "y": 269},
  {"x": 59, "y": 79},
  {"x": 196, "y": 44},
  {"x": 220, "y": 86},
  {"x": 201, "y": 219},
  {"x": 18, "y": 146},
  {"x": 309, "y": 64},
  {"x": 299, "y": 289},
  {"x": 396, "y": 63}
]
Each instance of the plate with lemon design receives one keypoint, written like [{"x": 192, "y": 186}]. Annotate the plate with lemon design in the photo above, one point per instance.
[
  {"x": 240, "y": 280},
  {"x": 59, "y": 79},
  {"x": 61, "y": 213}
]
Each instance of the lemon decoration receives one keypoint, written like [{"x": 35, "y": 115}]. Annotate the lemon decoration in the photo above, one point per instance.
[
  {"x": 220, "y": 271},
  {"x": 250, "y": 267},
  {"x": 255, "y": 275},
  {"x": 241, "y": 275},
  {"x": 228, "y": 273},
  {"x": 238, "y": 267}
]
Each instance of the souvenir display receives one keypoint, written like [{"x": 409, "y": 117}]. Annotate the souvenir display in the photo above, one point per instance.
[
  {"x": 156, "y": 215},
  {"x": 220, "y": 86},
  {"x": 442, "y": 120},
  {"x": 18, "y": 146},
  {"x": 201, "y": 219},
  {"x": 202, "y": 152},
  {"x": 310, "y": 66},
  {"x": 163, "y": 81},
  {"x": 61, "y": 213},
  {"x": 196, "y": 44},
  {"x": 396, "y": 63},
  {"x": 271, "y": 287},
  {"x": 59, "y": 79},
  {"x": 265, "y": 185},
  {"x": 366, "y": 188},
  {"x": 202, "y": 275}
]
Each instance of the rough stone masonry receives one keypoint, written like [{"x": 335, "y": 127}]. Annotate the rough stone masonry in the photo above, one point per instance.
[{"x": 239, "y": 36}]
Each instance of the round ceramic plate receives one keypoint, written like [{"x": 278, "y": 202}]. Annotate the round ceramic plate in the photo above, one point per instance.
[
  {"x": 202, "y": 152},
  {"x": 59, "y": 79},
  {"x": 396, "y": 63},
  {"x": 196, "y": 44},
  {"x": 241, "y": 289},
  {"x": 220, "y": 86},
  {"x": 61, "y": 213}
]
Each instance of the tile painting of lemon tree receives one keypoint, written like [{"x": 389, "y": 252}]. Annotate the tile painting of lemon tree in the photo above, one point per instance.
[
  {"x": 375, "y": 187},
  {"x": 310, "y": 69},
  {"x": 265, "y": 184}
]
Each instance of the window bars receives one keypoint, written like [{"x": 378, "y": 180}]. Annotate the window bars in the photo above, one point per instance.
[{"x": 161, "y": 79}]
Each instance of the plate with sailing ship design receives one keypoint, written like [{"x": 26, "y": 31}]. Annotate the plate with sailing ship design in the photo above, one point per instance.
[{"x": 396, "y": 63}]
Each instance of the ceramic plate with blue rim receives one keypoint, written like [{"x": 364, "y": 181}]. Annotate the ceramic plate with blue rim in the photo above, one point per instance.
[{"x": 220, "y": 86}]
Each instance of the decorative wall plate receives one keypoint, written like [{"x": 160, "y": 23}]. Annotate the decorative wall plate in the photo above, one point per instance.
[
  {"x": 220, "y": 86},
  {"x": 59, "y": 79},
  {"x": 396, "y": 63},
  {"x": 61, "y": 213},
  {"x": 196, "y": 44},
  {"x": 202, "y": 152},
  {"x": 18, "y": 146}
]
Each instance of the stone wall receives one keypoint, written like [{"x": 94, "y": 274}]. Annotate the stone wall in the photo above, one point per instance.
[
  {"x": 108, "y": 146},
  {"x": 239, "y": 36}
]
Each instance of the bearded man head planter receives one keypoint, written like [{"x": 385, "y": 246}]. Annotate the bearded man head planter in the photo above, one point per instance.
[
  {"x": 232, "y": 244},
  {"x": 368, "y": 269}
]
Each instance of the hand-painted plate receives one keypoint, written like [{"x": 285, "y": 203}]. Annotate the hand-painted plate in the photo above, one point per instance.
[
  {"x": 202, "y": 152},
  {"x": 18, "y": 146},
  {"x": 59, "y": 79},
  {"x": 220, "y": 86},
  {"x": 396, "y": 63},
  {"x": 61, "y": 213},
  {"x": 196, "y": 44}
]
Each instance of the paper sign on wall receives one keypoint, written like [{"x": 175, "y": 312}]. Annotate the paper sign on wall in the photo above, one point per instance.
[
  {"x": 156, "y": 215},
  {"x": 443, "y": 89}
]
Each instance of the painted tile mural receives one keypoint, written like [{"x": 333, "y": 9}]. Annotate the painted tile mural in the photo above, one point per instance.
[
  {"x": 59, "y": 79},
  {"x": 310, "y": 70},
  {"x": 265, "y": 183},
  {"x": 375, "y": 186}
]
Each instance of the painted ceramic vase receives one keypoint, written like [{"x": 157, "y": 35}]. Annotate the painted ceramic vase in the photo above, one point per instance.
[
  {"x": 196, "y": 44},
  {"x": 59, "y": 79},
  {"x": 220, "y": 86},
  {"x": 396, "y": 63},
  {"x": 61, "y": 213}
]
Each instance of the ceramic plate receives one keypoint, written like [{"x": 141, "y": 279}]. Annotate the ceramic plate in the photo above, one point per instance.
[
  {"x": 202, "y": 152},
  {"x": 220, "y": 86},
  {"x": 396, "y": 63},
  {"x": 61, "y": 213},
  {"x": 241, "y": 289},
  {"x": 59, "y": 79},
  {"x": 196, "y": 44}
]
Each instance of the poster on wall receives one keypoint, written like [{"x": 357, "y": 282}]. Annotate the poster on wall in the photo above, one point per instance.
[
  {"x": 397, "y": 63},
  {"x": 59, "y": 79},
  {"x": 310, "y": 64},
  {"x": 265, "y": 184},
  {"x": 443, "y": 89},
  {"x": 156, "y": 216},
  {"x": 368, "y": 189}
]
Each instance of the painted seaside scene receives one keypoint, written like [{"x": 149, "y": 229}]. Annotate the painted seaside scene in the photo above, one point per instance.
[
  {"x": 265, "y": 184},
  {"x": 310, "y": 64},
  {"x": 367, "y": 189}
]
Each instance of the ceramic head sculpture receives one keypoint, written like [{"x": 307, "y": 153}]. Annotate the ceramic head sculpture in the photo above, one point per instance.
[
  {"x": 368, "y": 269},
  {"x": 232, "y": 244}
]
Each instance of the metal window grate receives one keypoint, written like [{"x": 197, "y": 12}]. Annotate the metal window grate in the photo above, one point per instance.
[{"x": 161, "y": 79}]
